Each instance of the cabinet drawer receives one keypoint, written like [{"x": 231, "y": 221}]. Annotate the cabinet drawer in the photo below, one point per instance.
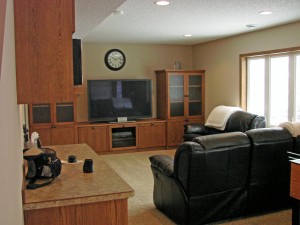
[{"x": 295, "y": 181}]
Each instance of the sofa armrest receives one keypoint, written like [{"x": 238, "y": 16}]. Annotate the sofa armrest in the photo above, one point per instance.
[
  {"x": 164, "y": 163},
  {"x": 258, "y": 122}
]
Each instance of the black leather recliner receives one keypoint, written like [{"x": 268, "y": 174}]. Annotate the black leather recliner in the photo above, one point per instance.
[
  {"x": 222, "y": 176},
  {"x": 238, "y": 121},
  {"x": 269, "y": 174}
]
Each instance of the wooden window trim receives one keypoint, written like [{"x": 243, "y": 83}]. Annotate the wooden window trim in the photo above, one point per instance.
[{"x": 243, "y": 69}]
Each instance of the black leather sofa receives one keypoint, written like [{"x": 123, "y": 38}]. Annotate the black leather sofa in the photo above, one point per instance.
[
  {"x": 222, "y": 176},
  {"x": 238, "y": 121}
]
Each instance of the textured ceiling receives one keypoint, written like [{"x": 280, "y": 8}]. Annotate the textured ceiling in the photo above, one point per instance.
[
  {"x": 145, "y": 22},
  {"x": 90, "y": 13}
]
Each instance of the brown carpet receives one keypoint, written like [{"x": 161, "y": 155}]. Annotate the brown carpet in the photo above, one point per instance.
[{"x": 134, "y": 168}]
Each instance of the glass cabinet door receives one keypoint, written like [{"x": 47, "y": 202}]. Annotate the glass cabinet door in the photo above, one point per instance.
[
  {"x": 64, "y": 112},
  {"x": 41, "y": 114},
  {"x": 195, "y": 95},
  {"x": 176, "y": 94}
]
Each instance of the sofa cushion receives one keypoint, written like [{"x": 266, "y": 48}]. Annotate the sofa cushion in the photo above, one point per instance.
[
  {"x": 240, "y": 121},
  {"x": 219, "y": 116},
  {"x": 222, "y": 140},
  {"x": 213, "y": 163},
  {"x": 269, "y": 179}
]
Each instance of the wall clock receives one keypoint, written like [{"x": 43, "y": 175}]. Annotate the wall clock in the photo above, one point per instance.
[{"x": 115, "y": 59}]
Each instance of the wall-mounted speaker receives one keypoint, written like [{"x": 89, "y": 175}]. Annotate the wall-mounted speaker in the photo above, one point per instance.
[{"x": 77, "y": 68}]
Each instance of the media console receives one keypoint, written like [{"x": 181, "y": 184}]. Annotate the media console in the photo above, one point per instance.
[
  {"x": 110, "y": 137},
  {"x": 180, "y": 99}
]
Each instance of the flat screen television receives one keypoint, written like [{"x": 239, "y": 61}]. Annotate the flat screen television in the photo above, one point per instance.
[{"x": 110, "y": 99}]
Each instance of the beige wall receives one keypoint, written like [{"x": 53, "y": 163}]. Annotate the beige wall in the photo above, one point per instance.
[
  {"x": 2, "y": 23},
  {"x": 141, "y": 62},
  {"x": 220, "y": 59},
  {"x": 10, "y": 138}
]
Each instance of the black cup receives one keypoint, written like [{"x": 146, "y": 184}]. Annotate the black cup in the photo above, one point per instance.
[
  {"x": 88, "y": 166},
  {"x": 71, "y": 159}
]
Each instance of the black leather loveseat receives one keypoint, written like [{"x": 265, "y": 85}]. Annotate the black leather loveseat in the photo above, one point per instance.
[
  {"x": 223, "y": 176},
  {"x": 238, "y": 121}
]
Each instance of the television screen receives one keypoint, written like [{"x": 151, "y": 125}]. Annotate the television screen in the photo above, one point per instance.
[{"x": 110, "y": 99}]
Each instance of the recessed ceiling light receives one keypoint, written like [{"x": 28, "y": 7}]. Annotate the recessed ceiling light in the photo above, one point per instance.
[
  {"x": 265, "y": 12},
  {"x": 251, "y": 25},
  {"x": 187, "y": 35},
  {"x": 162, "y": 2}
]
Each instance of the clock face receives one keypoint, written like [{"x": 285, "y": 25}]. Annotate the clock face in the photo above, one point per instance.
[{"x": 114, "y": 59}]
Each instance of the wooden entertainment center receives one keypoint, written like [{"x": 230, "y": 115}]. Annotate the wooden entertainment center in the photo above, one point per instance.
[
  {"x": 102, "y": 137},
  {"x": 180, "y": 100}
]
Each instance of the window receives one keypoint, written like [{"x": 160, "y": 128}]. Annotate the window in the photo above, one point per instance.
[
  {"x": 297, "y": 88},
  {"x": 271, "y": 85}
]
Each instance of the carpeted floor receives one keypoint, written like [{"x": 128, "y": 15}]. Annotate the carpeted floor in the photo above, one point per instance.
[{"x": 134, "y": 168}]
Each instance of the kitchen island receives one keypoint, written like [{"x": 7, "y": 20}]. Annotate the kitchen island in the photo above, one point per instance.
[{"x": 76, "y": 197}]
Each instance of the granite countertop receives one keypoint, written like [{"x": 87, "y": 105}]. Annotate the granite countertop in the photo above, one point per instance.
[{"x": 73, "y": 186}]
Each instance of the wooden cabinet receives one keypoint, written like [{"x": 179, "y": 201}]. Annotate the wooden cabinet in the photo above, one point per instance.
[
  {"x": 44, "y": 57},
  {"x": 77, "y": 198},
  {"x": 44, "y": 132},
  {"x": 180, "y": 94},
  {"x": 295, "y": 191},
  {"x": 295, "y": 181},
  {"x": 180, "y": 100},
  {"x": 55, "y": 135},
  {"x": 95, "y": 136},
  {"x": 63, "y": 135},
  {"x": 152, "y": 134},
  {"x": 176, "y": 131},
  {"x": 54, "y": 122},
  {"x": 110, "y": 137}
]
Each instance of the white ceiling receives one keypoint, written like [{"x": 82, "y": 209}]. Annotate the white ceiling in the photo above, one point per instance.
[{"x": 144, "y": 22}]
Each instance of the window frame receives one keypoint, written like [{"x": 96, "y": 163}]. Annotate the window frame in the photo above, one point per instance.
[{"x": 268, "y": 55}]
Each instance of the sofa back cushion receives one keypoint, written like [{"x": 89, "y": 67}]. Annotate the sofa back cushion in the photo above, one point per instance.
[
  {"x": 269, "y": 169},
  {"x": 243, "y": 121},
  {"x": 213, "y": 163}
]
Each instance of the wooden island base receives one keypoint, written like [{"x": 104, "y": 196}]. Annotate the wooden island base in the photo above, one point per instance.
[
  {"x": 108, "y": 212},
  {"x": 77, "y": 198}
]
